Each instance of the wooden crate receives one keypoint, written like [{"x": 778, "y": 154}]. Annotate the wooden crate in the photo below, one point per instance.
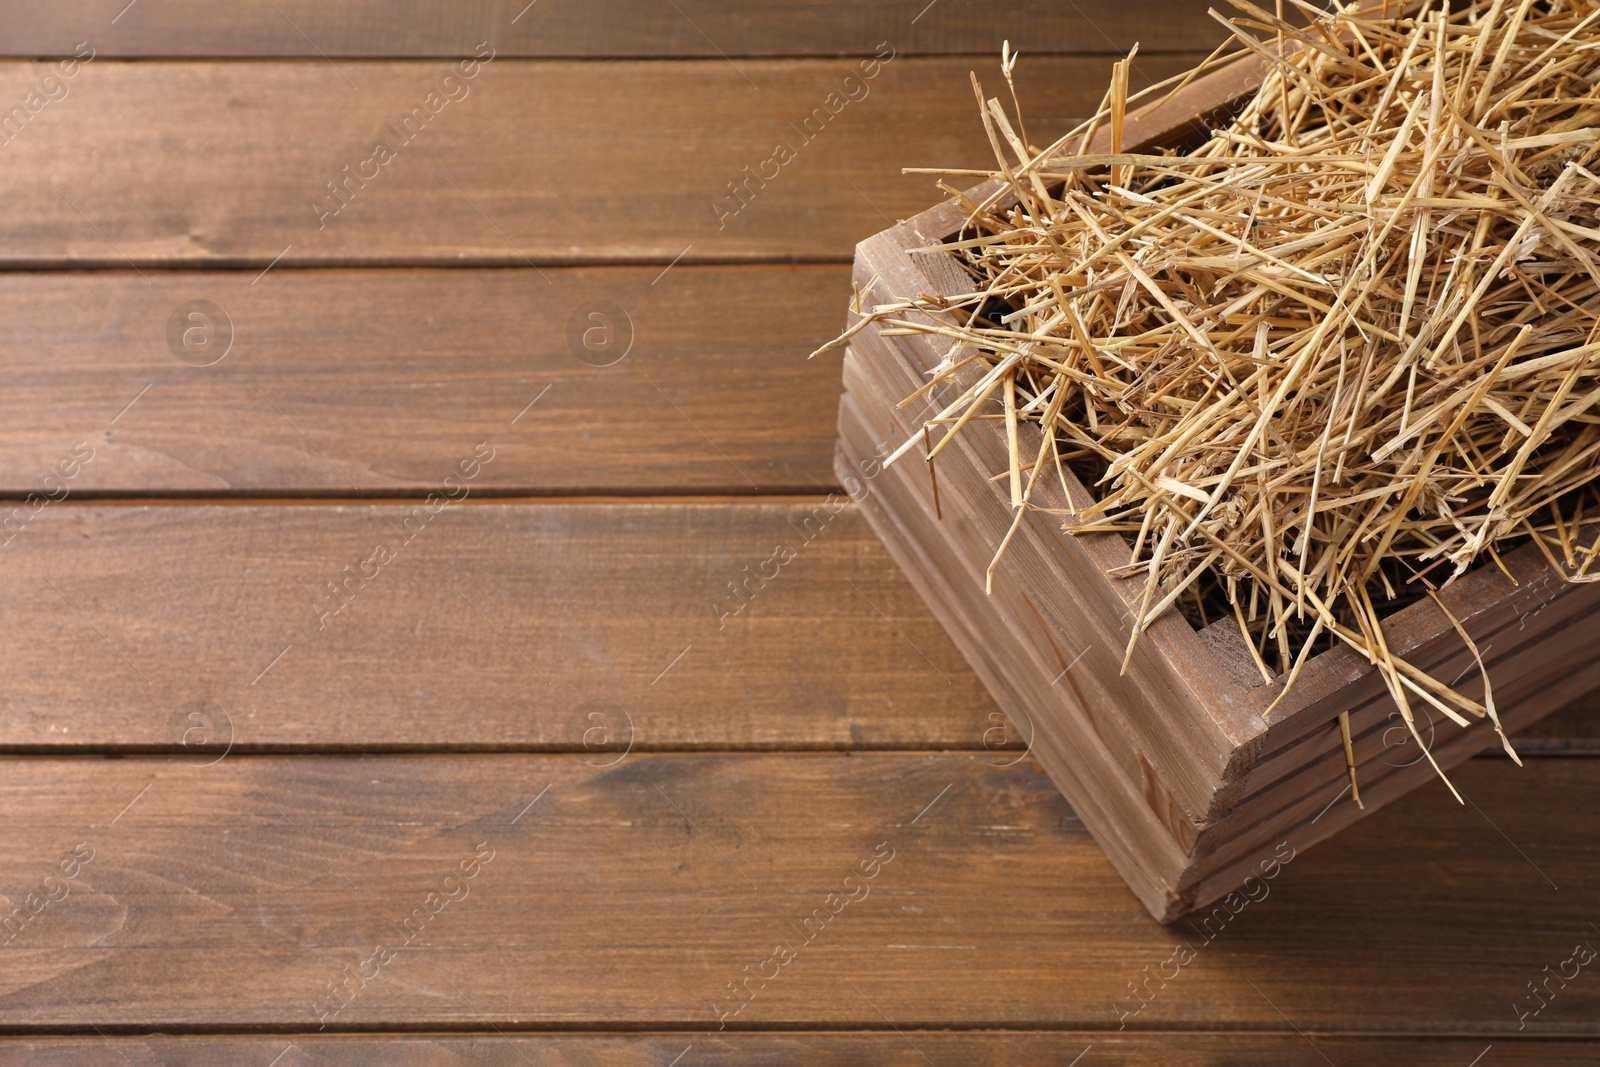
[{"x": 1174, "y": 767}]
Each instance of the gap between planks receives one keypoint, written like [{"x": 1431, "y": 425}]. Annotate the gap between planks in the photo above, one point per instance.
[
  {"x": 88, "y": 498},
  {"x": 1536, "y": 748},
  {"x": 251, "y": 265}
]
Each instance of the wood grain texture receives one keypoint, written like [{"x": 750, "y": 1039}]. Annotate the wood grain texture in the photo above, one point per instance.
[
  {"x": 547, "y": 162},
  {"x": 357, "y": 381},
  {"x": 595, "y": 28},
  {"x": 914, "y": 1049},
  {"x": 601, "y": 597},
  {"x": 1575, "y": 728},
  {"x": 491, "y": 626},
  {"x": 234, "y": 895}
]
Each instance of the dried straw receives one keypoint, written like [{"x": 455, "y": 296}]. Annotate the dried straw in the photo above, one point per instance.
[{"x": 1350, "y": 343}]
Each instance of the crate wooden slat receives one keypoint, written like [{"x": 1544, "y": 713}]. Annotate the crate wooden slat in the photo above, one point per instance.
[{"x": 1182, "y": 776}]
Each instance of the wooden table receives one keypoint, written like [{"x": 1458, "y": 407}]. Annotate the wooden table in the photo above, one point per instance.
[{"x": 432, "y": 632}]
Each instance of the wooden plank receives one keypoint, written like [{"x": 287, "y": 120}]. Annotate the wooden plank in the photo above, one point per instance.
[
  {"x": 1575, "y": 728},
  {"x": 490, "y": 626},
  {"x": 595, "y": 28},
  {"x": 357, "y": 381},
  {"x": 235, "y": 895},
  {"x": 602, "y": 597},
  {"x": 547, "y": 162},
  {"x": 914, "y": 1049}
]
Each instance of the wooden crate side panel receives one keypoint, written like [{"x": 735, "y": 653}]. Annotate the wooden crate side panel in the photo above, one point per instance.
[
  {"x": 1225, "y": 869},
  {"x": 888, "y": 257},
  {"x": 1213, "y": 723},
  {"x": 1484, "y": 600},
  {"x": 1074, "y": 612},
  {"x": 1052, "y": 698},
  {"x": 1561, "y": 624},
  {"x": 1135, "y": 842},
  {"x": 1300, "y": 803}
]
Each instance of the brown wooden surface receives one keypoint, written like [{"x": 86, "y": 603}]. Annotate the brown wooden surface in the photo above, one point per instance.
[
  {"x": 552, "y": 162},
  {"x": 495, "y": 626},
  {"x": 347, "y": 382},
  {"x": 599, "y": 596},
  {"x": 140, "y": 691},
  {"x": 905, "y": 1049},
  {"x": 706, "y": 28},
  {"x": 260, "y": 878},
  {"x": 1575, "y": 728}
]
